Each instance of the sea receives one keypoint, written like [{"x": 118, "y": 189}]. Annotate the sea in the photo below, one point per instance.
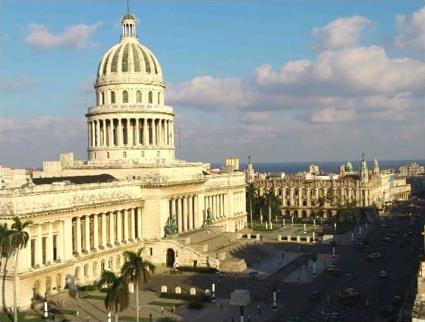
[{"x": 325, "y": 166}]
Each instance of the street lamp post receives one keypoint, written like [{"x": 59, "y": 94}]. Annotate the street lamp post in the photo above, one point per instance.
[
  {"x": 242, "y": 313},
  {"x": 46, "y": 309},
  {"x": 334, "y": 227},
  {"x": 314, "y": 236},
  {"x": 352, "y": 237},
  {"x": 274, "y": 307},
  {"x": 305, "y": 229},
  {"x": 213, "y": 292},
  {"x": 333, "y": 251}
]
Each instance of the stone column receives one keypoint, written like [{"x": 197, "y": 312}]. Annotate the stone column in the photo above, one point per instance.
[
  {"x": 104, "y": 132},
  {"x": 97, "y": 133},
  {"x": 137, "y": 132},
  {"x": 89, "y": 133},
  {"x": 38, "y": 245},
  {"x": 132, "y": 225},
  {"x": 178, "y": 215},
  {"x": 111, "y": 228},
  {"x": 120, "y": 133},
  {"x": 153, "y": 131},
  {"x": 145, "y": 132},
  {"x": 129, "y": 133},
  {"x": 95, "y": 232},
  {"x": 139, "y": 222},
  {"x": 172, "y": 132},
  {"x": 119, "y": 227},
  {"x": 60, "y": 251},
  {"x": 49, "y": 244},
  {"x": 87, "y": 232},
  {"x": 126, "y": 228},
  {"x": 190, "y": 212},
  {"x": 183, "y": 213},
  {"x": 78, "y": 235},
  {"x": 103, "y": 222},
  {"x": 67, "y": 239},
  {"x": 111, "y": 133}
]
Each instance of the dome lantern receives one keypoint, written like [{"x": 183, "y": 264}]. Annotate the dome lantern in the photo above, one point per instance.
[{"x": 128, "y": 26}]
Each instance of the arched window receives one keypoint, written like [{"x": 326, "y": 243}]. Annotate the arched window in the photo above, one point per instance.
[
  {"x": 159, "y": 98},
  {"x": 138, "y": 97},
  {"x": 150, "y": 97},
  {"x": 125, "y": 97},
  {"x": 112, "y": 97}
]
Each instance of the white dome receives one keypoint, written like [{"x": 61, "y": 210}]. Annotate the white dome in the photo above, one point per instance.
[
  {"x": 129, "y": 61},
  {"x": 129, "y": 58}
]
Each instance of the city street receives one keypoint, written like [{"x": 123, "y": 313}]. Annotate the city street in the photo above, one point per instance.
[{"x": 375, "y": 294}]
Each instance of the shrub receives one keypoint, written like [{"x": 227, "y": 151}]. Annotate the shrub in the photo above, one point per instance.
[
  {"x": 195, "y": 305},
  {"x": 208, "y": 270},
  {"x": 186, "y": 297}
]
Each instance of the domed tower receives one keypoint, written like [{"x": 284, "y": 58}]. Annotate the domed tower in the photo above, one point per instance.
[
  {"x": 130, "y": 119},
  {"x": 375, "y": 169},
  {"x": 364, "y": 172}
]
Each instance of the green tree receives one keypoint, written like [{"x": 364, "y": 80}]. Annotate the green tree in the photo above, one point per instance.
[
  {"x": 19, "y": 239},
  {"x": 107, "y": 278},
  {"x": 136, "y": 270},
  {"x": 5, "y": 252},
  {"x": 272, "y": 202},
  {"x": 117, "y": 297},
  {"x": 251, "y": 193}
]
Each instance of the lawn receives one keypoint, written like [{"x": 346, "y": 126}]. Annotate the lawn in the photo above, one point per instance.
[{"x": 164, "y": 304}]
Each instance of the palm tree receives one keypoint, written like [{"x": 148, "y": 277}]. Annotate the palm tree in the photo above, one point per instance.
[
  {"x": 273, "y": 203},
  {"x": 251, "y": 192},
  {"x": 107, "y": 278},
  {"x": 19, "y": 239},
  {"x": 136, "y": 270},
  {"x": 117, "y": 298},
  {"x": 5, "y": 251}
]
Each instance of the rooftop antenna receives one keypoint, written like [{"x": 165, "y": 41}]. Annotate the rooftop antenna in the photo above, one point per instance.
[{"x": 128, "y": 7}]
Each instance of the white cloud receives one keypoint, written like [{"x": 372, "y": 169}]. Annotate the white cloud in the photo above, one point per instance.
[
  {"x": 340, "y": 33},
  {"x": 74, "y": 37},
  {"x": 330, "y": 115},
  {"x": 411, "y": 31},
  {"x": 18, "y": 83},
  {"x": 207, "y": 92},
  {"x": 338, "y": 78}
]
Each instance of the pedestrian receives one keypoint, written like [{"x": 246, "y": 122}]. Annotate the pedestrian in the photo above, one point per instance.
[
  {"x": 88, "y": 319},
  {"x": 248, "y": 318},
  {"x": 174, "y": 309},
  {"x": 77, "y": 313},
  {"x": 150, "y": 317},
  {"x": 162, "y": 310},
  {"x": 259, "y": 309}
]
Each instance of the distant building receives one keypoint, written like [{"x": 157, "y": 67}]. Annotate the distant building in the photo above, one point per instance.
[
  {"x": 412, "y": 169},
  {"x": 301, "y": 194}
]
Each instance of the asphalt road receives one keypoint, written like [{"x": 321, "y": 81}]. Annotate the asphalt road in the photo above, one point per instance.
[{"x": 375, "y": 292}]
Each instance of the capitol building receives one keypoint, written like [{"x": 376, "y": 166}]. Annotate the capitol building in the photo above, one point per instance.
[{"x": 131, "y": 192}]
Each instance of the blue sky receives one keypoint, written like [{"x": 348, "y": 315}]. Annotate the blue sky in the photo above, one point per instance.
[{"x": 45, "y": 91}]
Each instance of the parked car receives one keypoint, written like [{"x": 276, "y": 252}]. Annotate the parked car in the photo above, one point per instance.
[
  {"x": 374, "y": 256},
  {"x": 333, "y": 270},
  {"x": 383, "y": 274}
]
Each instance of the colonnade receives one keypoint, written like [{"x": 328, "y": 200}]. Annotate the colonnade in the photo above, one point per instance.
[
  {"x": 239, "y": 205},
  {"x": 131, "y": 132},
  {"x": 185, "y": 209},
  {"x": 100, "y": 231},
  {"x": 308, "y": 197},
  {"x": 216, "y": 204}
]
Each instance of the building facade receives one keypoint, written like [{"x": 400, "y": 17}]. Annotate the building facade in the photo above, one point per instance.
[
  {"x": 301, "y": 194},
  {"x": 130, "y": 193}
]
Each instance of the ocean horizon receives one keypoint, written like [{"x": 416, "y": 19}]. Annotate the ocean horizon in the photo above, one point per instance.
[{"x": 326, "y": 166}]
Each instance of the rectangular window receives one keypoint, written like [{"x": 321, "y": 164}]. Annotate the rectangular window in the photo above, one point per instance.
[
  {"x": 151, "y": 251},
  {"x": 44, "y": 250},
  {"x": 55, "y": 245},
  {"x": 32, "y": 252}
]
